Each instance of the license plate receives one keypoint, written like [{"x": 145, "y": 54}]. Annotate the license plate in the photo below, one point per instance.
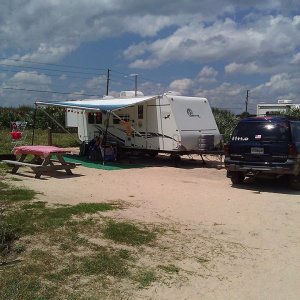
[{"x": 257, "y": 150}]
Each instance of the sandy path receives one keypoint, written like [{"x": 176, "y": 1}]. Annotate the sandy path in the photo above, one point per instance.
[{"x": 263, "y": 218}]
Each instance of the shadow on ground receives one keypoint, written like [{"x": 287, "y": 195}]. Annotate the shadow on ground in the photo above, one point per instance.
[
  {"x": 267, "y": 185},
  {"x": 144, "y": 161}
]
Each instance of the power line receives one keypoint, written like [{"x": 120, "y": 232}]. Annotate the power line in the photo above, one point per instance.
[
  {"x": 51, "y": 75},
  {"x": 125, "y": 76},
  {"x": 50, "y": 92},
  {"x": 45, "y": 69},
  {"x": 50, "y": 64}
]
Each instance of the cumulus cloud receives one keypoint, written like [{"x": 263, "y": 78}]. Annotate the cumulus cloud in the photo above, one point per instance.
[
  {"x": 281, "y": 86},
  {"x": 296, "y": 58},
  {"x": 96, "y": 82},
  {"x": 207, "y": 75},
  {"x": 182, "y": 86},
  {"x": 268, "y": 40},
  {"x": 247, "y": 68},
  {"x": 157, "y": 34},
  {"x": 29, "y": 79}
]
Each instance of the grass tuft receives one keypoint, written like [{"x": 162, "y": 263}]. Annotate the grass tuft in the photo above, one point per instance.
[
  {"x": 7, "y": 236},
  {"x": 145, "y": 278},
  {"x": 127, "y": 233},
  {"x": 169, "y": 268},
  {"x": 9, "y": 193},
  {"x": 105, "y": 263}
]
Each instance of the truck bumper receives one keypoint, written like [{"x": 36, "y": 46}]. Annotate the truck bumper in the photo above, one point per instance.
[{"x": 290, "y": 167}]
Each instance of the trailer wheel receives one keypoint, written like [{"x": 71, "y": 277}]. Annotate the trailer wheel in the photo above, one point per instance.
[
  {"x": 153, "y": 154},
  {"x": 237, "y": 177},
  {"x": 175, "y": 158}
]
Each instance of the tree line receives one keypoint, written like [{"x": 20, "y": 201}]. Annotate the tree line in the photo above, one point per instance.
[
  {"x": 33, "y": 117},
  {"x": 225, "y": 119}
]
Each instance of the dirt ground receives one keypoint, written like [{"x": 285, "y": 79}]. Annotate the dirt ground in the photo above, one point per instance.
[{"x": 248, "y": 235}]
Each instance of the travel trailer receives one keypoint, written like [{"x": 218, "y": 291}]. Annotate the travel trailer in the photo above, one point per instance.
[
  {"x": 283, "y": 105},
  {"x": 161, "y": 123}
]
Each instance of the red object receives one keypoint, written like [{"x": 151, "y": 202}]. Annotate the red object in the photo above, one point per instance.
[
  {"x": 16, "y": 135},
  {"x": 43, "y": 151}
]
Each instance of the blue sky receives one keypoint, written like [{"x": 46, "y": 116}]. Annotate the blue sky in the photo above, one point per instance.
[{"x": 218, "y": 49}]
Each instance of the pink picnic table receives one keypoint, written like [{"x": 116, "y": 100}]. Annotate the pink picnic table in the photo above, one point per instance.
[{"x": 45, "y": 158}]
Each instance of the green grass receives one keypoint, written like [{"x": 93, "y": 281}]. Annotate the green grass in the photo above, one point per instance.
[
  {"x": 63, "y": 252},
  {"x": 127, "y": 233},
  {"x": 36, "y": 217},
  {"x": 9, "y": 193},
  {"x": 105, "y": 262},
  {"x": 145, "y": 278}
]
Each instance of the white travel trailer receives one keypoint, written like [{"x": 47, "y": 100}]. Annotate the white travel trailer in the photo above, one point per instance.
[
  {"x": 281, "y": 106},
  {"x": 162, "y": 123}
]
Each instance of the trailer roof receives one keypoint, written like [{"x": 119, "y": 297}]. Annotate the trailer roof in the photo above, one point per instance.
[{"x": 97, "y": 104}]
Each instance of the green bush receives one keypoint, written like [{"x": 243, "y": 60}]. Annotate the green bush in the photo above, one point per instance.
[{"x": 226, "y": 122}]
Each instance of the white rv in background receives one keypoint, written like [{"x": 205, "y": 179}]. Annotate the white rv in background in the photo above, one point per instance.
[
  {"x": 161, "y": 123},
  {"x": 282, "y": 105}
]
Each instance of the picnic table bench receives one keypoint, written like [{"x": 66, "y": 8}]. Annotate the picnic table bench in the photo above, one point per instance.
[{"x": 45, "y": 158}]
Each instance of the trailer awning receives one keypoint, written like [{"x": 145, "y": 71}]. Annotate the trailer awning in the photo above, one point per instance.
[{"x": 98, "y": 104}]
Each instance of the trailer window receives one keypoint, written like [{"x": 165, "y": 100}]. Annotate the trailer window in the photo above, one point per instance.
[
  {"x": 91, "y": 118},
  {"x": 98, "y": 119},
  {"x": 116, "y": 120},
  {"x": 140, "y": 111}
]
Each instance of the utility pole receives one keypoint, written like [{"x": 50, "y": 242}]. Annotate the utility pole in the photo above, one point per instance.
[
  {"x": 135, "y": 83},
  {"x": 107, "y": 81},
  {"x": 247, "y": 98}
]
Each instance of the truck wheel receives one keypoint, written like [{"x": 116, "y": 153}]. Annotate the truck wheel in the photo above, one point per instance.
[
  {"x": 294, "y": 182},
  {"x": 237, "y": 177}
]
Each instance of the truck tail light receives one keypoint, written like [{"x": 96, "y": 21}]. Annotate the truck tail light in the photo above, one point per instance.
[
  {"x": 226, "y": 150},
  {"x": 292, "y": 150}
]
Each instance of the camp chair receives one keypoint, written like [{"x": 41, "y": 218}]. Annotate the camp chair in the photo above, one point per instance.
[{"x": 17, "y": 133}]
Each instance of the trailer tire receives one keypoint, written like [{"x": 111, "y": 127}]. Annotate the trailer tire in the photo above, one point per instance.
[{"x": 153, "y": 154}]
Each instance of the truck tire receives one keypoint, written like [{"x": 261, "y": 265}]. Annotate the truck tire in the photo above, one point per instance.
[
  {"x": 294, "y": 182},
  {"x": 237, "y": 177}
]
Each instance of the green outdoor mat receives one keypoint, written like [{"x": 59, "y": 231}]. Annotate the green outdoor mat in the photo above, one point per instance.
[{"x": 110, "y": 166}]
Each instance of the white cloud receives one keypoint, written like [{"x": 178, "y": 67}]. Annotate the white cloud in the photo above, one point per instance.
[
  {"x": 296, "y": 58},
  {"x": 207, "y": 75},
  {"x": 96, "y": 82},
  {"x": 266, "y": 41},
  {"x": 280, "y": 86},
  {"x": 161, "y": 33},
  {"x": 182, "y": 86},
  {"x": 29, "y": 79},
  {"x": 247, "y": 68}
]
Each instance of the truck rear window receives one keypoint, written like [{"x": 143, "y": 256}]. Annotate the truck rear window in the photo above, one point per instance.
[{"x": 261, "y": 131}]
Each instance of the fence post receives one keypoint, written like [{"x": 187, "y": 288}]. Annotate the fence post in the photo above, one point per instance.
[{"x": 49, "y": 136}]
